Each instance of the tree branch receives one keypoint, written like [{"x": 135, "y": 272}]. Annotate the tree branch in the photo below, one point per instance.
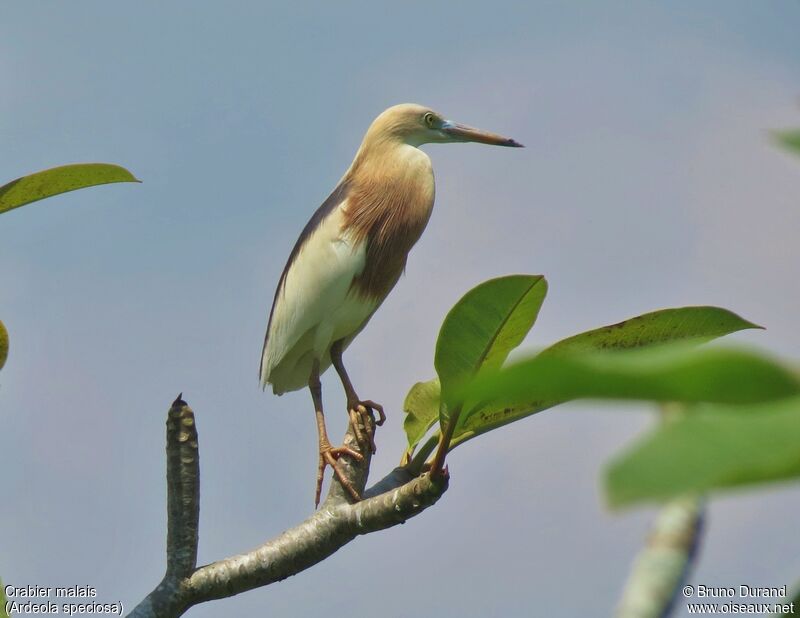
[
  {"x": 664, "y": 563},
  {"x": 183, "y": 489},
  {"x": 391, "y": 501}
]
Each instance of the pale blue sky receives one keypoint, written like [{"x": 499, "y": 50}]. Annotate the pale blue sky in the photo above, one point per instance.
[{"x": 648, "y": 181}]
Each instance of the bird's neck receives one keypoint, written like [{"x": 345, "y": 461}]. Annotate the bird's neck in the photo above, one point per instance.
[
  {"x": 384, "y": 152},
  {"x": 398, "y": 175},
  {"x": 390, "y": 194}
]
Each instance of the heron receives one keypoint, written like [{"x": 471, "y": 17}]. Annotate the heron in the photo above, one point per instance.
[{"x": 349, "y": 256}]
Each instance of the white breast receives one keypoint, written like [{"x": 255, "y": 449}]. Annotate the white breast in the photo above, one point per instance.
[{"x": 315, "y": 306}]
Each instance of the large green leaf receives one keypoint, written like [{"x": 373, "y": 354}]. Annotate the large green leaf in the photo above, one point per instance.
[
  {"x": 789, "y": 139},
  {"x": 709, "y": 447},
  {"x": 695, "y": 324},
  {"x": 422, "y": 410},
  {"x": 483, "y": 327},
  {"x": 664, "y": 373},
  {"x": 3, "y": 345},
  {"x": 57, "y": 180}
]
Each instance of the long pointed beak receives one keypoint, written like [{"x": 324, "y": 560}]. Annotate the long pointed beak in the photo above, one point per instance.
[{"x": 463, "y": 133}]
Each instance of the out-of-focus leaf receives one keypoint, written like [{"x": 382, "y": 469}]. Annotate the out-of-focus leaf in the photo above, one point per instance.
[
  {"x": 422, "y": 410},
  {"x": 483, "y": 327},
  {"x": 695, "y": 324},
  {"x": 3, "y": 345},
  {"x": 664, "y": 373},
  {"x": 709, "y": 447},
  {"x": 3, "y": 600},
  {"x": 47, "y": 183},
  {"x": 795, "y": 599},
  {"x": 790, "y": 140}
]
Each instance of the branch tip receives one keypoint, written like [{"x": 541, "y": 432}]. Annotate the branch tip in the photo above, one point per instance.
[{"x": 183, "y": 491}]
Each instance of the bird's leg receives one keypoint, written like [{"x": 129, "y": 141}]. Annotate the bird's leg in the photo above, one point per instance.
[
  {"x": 327, "y": 453},
  {"x": 360, "y": 410}
]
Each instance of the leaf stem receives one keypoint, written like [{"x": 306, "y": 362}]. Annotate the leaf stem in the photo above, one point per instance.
[
  {"x": 415, "y": 466},
  {"x": 444, "y": 443}
]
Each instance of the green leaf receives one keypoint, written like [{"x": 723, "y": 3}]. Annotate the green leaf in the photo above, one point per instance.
[
  {"x": 691, "y": 324},
  {"x": 667, "y": 325},
  {"x": 795, "y": 600},
  {"x": 790, "y": 140},
  {"x": 3, "y": 600},
  {"x": 695, "y": 324},
  {"x": 422, "y": 409},
  {"x": 487, "y": 417},
  {"x": 664, "y": 373},
  {"x": 3, "y": 345},
  {"x": 57, "y": 180},
  {"x": 709, "y": 447},
  {"x": 483, "y": 327}
]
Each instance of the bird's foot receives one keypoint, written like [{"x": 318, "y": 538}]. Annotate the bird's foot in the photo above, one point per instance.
[
  {"x": 364, "y": 422},
  {"x": 329, "y": 456}
]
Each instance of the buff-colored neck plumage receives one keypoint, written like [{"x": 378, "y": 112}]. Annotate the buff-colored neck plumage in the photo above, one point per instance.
[{"x": 390, "y": 194}]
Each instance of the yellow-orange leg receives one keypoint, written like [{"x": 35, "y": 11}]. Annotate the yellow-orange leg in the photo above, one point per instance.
[
  {"x": 360, "y": 411},
  {"x": 328, "y": 455}
]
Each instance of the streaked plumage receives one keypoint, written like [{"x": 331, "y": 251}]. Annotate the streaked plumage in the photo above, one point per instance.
[{"x": 354, "y": 248}]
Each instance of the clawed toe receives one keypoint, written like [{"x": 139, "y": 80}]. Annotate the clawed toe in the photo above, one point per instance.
[
  {"x": 371, "y": 405},
  {"x": 329, "y": 456},
  {"x": 363, "y": 422},
  {"x": 334, "y": 452}
]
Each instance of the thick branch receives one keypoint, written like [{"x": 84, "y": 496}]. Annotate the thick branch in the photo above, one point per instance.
[
  {"x": 312, "y": 541},
  {"x": 389, "y": 502}
]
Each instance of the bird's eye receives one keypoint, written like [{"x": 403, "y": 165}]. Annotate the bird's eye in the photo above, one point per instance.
[{"x": 429, "y": 119}]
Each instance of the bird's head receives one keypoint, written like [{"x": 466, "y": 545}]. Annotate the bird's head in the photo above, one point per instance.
[{"x": 416, "y": 125}]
